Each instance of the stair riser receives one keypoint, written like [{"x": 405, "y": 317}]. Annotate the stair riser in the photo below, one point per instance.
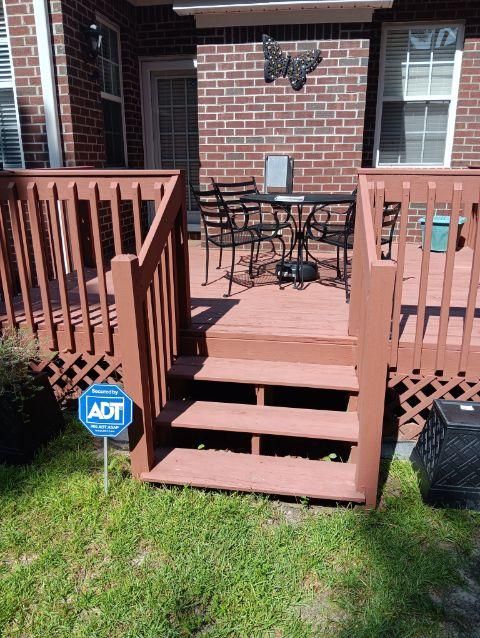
[{"x": 325, "y": 353}]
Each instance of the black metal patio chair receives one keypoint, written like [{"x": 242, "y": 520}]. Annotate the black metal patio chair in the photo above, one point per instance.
[
  {"x": 221, "y": 231},
  {"x": 251, "y": 213},
  {"x": 341, "y": 234}
]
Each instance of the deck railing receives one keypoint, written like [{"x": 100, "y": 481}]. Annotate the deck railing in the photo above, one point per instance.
[
  {"x": 59, "y": 230},
  {"x": 370, "y": 319},
  {"x": 441, "y": 298},
  {"x": 152, "y": 295}
]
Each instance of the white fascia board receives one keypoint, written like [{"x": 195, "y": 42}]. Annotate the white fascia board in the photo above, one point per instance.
[{"x": 194, "y": 7}]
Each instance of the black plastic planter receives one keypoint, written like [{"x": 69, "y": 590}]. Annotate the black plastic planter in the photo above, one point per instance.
[
  {"x": 24, "y": 429},
  {"x": 447, "y": 455}
]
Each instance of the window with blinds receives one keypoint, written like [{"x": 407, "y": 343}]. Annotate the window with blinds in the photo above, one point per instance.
[
  {"x": 11, "y": 154},
  {"x": 112, "y": 96},
  {"x": 177, "y": 132},
  {"x": 417, "y": 94}
]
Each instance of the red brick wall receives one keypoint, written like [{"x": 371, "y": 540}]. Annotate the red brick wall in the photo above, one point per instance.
[
  {"x": 242, "y": 118},
  {"x": 23, "y": 42}
]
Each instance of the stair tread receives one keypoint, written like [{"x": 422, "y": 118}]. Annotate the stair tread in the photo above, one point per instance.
[
  {"x": 285, "y": 476},
  {"x": 308, "y": 375},
  {"x": 261, "y": 419}
]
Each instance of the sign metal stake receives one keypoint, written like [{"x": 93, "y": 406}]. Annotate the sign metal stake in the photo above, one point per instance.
[{"x": 105, "y": 463}]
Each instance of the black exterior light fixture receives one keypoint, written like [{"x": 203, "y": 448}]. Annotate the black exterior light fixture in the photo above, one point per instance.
[{"x": 93, "y": 36}]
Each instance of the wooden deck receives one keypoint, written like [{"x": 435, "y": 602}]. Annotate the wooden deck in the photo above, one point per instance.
[{"x": 258, "y": 310}]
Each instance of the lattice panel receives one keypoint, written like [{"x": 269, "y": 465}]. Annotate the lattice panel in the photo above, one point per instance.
[
  {"x": 409, "y": 399},
  {"x": 71, "y": 374}
]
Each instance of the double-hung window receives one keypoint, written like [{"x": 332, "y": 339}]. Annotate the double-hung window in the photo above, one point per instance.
[
  {"x": 11, "y": 154},
  {"x": 418, "y": 88},
  {"x": 112, "y": 96}
]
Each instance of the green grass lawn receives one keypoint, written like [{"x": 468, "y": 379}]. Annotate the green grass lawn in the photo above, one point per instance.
[{"x": 151, "y": 562}]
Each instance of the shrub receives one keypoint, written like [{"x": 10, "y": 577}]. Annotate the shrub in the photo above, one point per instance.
[{"x": 18, "y": 349}]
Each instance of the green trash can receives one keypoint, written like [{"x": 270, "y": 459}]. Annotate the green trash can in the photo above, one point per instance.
[{"x": 440, "y": 229}]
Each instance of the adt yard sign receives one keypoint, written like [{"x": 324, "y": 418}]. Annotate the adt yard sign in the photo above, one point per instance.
[{"x": 105, "y": 410}]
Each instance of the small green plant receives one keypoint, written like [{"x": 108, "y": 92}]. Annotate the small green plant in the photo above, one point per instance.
[{"x": 19, "y": 348}]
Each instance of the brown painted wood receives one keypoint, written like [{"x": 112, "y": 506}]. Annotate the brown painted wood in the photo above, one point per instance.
[
  {"x": 471, "y": 303},
  {"x": 40, "y": 262},
  {"x": 20, "y": 254},
  {"x": 378, "y": 219},
  {"x": 137, "y": 214},
  {"x": 53, "y": 204},
  {"x": 372, "y": 378},
  {"x": 72, "y": 207},
  {"x": 102, "y": 283},
  {"x": 261, "y": 419},
  {"x": 134, "y": 354},
  {"x": 255, "y": 473},
  {"x": 402, "y": 243},
  {"x": 448, "y": 278},
  {"x": 306, "y": 375},
  {"x": 425, "y": 270},
  {"x": 115, "y": 202},
  {"x": 5, "y": 275}
]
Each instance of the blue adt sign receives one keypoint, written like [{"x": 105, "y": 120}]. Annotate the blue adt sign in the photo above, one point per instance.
[{"x": 105, "y": 410}]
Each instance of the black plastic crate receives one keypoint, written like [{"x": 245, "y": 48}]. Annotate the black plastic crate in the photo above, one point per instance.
[{"x": 447, "y": 455}]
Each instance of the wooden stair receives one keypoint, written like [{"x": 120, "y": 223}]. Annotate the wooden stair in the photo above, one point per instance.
[
  {"x": 266, "y": 373},
  {"x": 279, "y": 475},
  {"x": 251, "y": 473},
  {"x": 261, "y": 419}
]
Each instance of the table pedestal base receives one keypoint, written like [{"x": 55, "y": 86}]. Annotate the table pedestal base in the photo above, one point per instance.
[{"x": 297, "y": 271}]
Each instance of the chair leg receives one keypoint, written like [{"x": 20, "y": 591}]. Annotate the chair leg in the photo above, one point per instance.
[
  {"x": 339, "y": 273},
  {"x": 282, "y": 264},
  {"x": 207, "y": 255},
  {"x": 258, "y": 251},
  {"x": 220, "y": 258},
  {"x": 250, "y": 264},
  {"x": 231, "y": 273}
]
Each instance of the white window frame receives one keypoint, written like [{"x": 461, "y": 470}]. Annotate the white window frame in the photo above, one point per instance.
[
  {"x": 102, "y": 21},
  {"x": 12, "y": 84},
  {"x": 452, "y": 98}
]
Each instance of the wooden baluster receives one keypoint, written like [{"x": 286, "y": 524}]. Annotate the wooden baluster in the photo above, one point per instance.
[
  {"x": 448, "y": 279},
  {"x": 424, "y": 273},
  {"x": 159, "y": 190},
  {"x": 5, "y": 275},
  {"x": 397, "y": 302},
  {"x": 40, "y": 262},
  {"x": 471, "y": 301},
  {"x": 116, "y": 223},
  {"x": 161, "y": 336},
  {"x": 72, "y": 206},
  {"x": 172, "y": 295},
  {"x": 20, "y": 252},
  {"x": 154, "y": 347},
  {"x": 94, "y": 201},
  {"x": 53, "y": 205},
  {"x": 371, "y": 398},
  {"x": 379, "y": 208},
  {"x": 137, "y": 214},
  {"x": 182, "y": 267},
  {"x": 134, "y": 355},
  {"x": 25, "y": 242}
]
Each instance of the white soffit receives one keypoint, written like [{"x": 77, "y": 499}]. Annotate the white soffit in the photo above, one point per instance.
[{"x": 218, "y": 13}]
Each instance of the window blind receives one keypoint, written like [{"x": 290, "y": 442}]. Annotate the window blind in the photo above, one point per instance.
[
  {"x": 416, "y": 93},
  {"x": 10, "y": 142}
]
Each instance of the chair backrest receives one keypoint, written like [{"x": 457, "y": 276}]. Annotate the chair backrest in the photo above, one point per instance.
[
  {"x": 230, "y": 193},
  {"x": 212, "y": 210},
  {"x": 278, "y": 174}
]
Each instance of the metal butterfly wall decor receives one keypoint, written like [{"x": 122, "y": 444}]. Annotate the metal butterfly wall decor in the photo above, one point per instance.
[{"x": 279, "y": 64}]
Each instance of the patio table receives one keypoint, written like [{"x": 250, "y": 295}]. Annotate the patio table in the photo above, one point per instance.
[{"x": 300, "y": 200}]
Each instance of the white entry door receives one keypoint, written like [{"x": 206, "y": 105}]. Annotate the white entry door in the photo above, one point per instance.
[{"x": 174, "y": 102}]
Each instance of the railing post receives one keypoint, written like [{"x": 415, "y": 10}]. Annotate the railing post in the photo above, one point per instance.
[
  {"x": 375, "y": 335},
  {"x": 182, "y": 268},
  {"x": 132, "y": 344}
]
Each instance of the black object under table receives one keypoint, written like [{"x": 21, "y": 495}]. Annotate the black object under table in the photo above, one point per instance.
[{"x": 298, "y": 269}]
